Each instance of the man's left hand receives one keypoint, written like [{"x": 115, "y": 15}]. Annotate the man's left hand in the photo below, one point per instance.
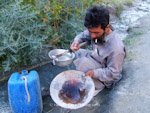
[{"x": 90, "y": 73}]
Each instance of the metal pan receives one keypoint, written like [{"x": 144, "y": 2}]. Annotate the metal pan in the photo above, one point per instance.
[
  {"x": 57, "y": 84},
  {"x": 64, "y": 60},
  {"x": 61, "y": 57}
]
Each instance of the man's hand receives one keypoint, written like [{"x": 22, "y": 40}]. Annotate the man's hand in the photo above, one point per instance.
[
  {"x": 90, "y": 73},
  {"x": 75, "y": 46}
]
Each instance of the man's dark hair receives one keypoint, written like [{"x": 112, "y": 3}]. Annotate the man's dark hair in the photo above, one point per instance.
[{"x": 96, "y": 16}]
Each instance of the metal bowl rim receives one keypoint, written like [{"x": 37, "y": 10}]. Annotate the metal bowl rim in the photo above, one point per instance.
[{"x": 49, "y": 54}]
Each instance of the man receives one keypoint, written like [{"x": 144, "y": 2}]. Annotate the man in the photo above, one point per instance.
[{"x": 104, "y": 62}]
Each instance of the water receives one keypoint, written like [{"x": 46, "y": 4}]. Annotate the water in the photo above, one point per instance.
[
  {"x": 129, "y": 17},
  {"x": 72, "y": 92}
]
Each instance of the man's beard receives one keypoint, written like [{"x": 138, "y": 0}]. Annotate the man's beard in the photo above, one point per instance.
[{"x": 99, "y": 40}]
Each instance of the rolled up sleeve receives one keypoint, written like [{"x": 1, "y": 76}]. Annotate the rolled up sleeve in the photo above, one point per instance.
[{"x": 83, "y": 36}]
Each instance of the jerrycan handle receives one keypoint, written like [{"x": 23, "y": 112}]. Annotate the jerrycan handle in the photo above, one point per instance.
[{"x": 24, "y": 73}]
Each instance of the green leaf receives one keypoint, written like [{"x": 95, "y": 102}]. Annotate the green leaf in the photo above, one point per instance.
[
  {"x": 13, "y": 58},
  {"x": 2, "y": 53}
]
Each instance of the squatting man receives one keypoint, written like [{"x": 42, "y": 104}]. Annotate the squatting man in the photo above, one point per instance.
[{"x": 104, "y": 62}]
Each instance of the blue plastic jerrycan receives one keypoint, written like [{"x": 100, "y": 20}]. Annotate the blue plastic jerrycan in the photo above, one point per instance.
[{"x": 24, "y": 92}]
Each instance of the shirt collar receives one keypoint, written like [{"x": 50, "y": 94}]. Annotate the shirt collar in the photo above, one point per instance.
[{"x": 109, "y": 36}]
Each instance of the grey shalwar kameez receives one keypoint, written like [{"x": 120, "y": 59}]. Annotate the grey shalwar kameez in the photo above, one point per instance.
[{"x": 105, "y": 59}]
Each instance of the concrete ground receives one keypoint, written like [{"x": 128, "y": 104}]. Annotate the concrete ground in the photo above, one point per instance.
[{"x": 130, "y": 95}]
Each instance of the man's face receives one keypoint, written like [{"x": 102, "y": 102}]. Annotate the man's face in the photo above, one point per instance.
[{"x": 96, "y": 32}]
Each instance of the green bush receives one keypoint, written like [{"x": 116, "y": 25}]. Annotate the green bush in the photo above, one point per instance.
[
  {"x": 25, "y": 25},
  {"x": 69, "y": 30},
  {"x": 65, "y": 18},
  {"x": 128, "y": 2},
  {"x": 118, "y": 5},
  {"x": 22, "y": 34}
]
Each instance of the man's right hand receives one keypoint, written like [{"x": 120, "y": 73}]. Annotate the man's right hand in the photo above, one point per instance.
[{"x": 75, "y": 46}]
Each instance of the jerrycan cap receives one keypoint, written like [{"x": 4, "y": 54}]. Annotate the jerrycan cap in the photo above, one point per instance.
[{"x": 24, "y": 72}]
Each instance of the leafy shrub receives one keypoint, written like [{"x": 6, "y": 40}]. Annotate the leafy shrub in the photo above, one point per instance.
[
  {"x": 25, "y": 25},
  {"x": 128, "y": 2},
  {"x": 118, "y": 5},
  {"x": 65, "y": 17},
  {"x": 21, "y": 34}
]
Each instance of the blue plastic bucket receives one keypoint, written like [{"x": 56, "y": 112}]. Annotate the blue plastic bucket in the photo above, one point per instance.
[{"x": 24, "y": 92}]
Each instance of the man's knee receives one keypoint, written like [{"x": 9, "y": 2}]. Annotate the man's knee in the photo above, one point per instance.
[{"x": 83, "y": 64}]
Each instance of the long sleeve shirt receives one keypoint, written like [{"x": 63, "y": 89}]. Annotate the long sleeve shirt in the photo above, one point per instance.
[{"x": 110, "y": 55}]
